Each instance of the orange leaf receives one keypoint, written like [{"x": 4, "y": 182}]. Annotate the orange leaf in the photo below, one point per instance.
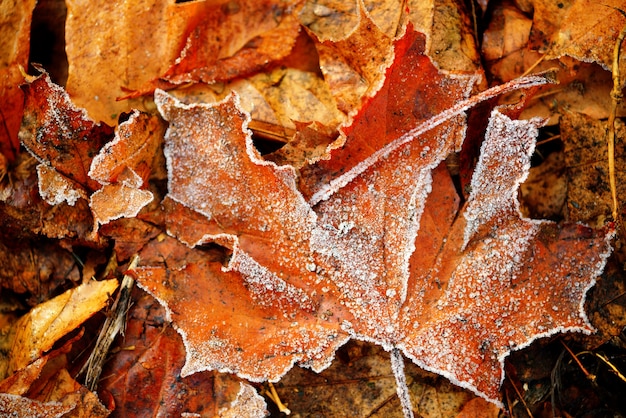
[
  {"x": 59, "y": 134},
  {"x": 383, "y": 256},
  {"x": 150, "y": 358},
  {"x": 14, "y": 48}
]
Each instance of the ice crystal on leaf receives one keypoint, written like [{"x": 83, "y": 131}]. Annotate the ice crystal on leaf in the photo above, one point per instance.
[{"x": 369, "y": 244}]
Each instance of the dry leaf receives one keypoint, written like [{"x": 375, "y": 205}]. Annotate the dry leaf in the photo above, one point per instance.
[
  {"x": 59, "y": 134},
  {"x": 37, "y": 331},
  {"x": 150, "y": 357},
  {"x": 15, "y": 20},
  {"x": 371, "y": 259},
  {"x": 582, "y": 29}
]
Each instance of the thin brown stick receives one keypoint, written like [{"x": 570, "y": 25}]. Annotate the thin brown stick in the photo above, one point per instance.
[
  {"x": 590, "y": 376},
  {"x": 616, "y": 98},
  {"x": 112, "y": 326}
]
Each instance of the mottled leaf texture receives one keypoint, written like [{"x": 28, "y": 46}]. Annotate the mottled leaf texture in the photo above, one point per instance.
[{"x": 384, "y": 257}]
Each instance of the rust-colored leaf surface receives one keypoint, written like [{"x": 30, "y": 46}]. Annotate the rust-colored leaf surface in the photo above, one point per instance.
[
  {"x": 384, "y": 255},
  {"x": 14, "y": 47},
  {"x": 59, "y": 134},
  {"x": 234, "y": 39},
  {"x": 285, "y": 171},
  {"x": 151, "y": 359}
]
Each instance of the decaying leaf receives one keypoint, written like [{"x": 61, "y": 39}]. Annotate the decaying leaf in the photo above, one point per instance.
[
  {"x": 15, "y": 21},
  {"x": 517, "y": 42},
  {"x": 123, "y": 167},
  {"x": 44, "y": 388},
  {"x": 37, "y": 331},
  {"x": 35, "y": 384},
  {"x": 59, "y": 134},
  {"x": 383, "y": 256},
  {"x": 151, "y": 357},
  {"x": 583, "y": 29}
]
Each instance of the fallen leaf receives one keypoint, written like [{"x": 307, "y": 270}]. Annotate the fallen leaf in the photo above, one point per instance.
[
  {"x": 17, "y": 406},
  {"x": 354, "y": 66},
  {"x": 386, "y": 116},
  {"x": 231, "y": 40},
  {"x": 46, "y": 323},
  {"x": 150, "y": 356},
  {"x": 59, "y": 134},
  {"x": 587, "y": 167},
  {"x": 137, "y": 41},
  {"x": 514, "y": 44},
  {"x": 123, "y": 167},
  {"x": 15, "y": 19},
  {"x": 45, "y": 388},
  {"x": 379, "y": 257},
  {"x": 450, "y": 38},
  {"x": 125, "y": 161},
  {"x": 361, "y": 381},
  {"x": 37, "y": 270},
  {"x": 582, "y": 29}
]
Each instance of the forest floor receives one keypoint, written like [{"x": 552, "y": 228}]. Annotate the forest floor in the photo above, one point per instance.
[{"x": 55, "y": 236}]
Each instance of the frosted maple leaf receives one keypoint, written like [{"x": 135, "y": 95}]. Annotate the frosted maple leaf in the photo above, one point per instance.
[{"x": 369, "y": 244}]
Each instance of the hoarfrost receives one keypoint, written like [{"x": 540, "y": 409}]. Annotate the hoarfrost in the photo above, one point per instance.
[
  {"x": 247, "y": 404},
  {"x": 55, "y": 188}
]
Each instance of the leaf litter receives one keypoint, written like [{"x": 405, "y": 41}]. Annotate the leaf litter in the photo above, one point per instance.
[{"x": 367, "y": 240}]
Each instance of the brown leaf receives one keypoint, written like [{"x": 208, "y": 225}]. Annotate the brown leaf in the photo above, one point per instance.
[
  {"x": 235, "y": 39},
  {"x": 59, "y": 134},
  {"x": 582, "y": 29},
  {"x": 136, "y": 42},
  {"x": 378, "y": 257},
  {"x": 123, "y": 167},
  {"x": 354, "y": 66},
  {"x": 15, "y": 19}
]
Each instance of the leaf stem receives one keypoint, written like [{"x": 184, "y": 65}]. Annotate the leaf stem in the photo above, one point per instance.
[
  {"x": 397, "y": 365},
  {"x": 520, "y": 83}
]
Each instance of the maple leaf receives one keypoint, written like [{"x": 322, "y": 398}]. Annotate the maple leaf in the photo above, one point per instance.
[{"x": 381, "y": 256}]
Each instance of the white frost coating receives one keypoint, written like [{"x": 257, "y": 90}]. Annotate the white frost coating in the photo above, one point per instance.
[
  {"x": 266, "y": 287},
  {"x": 101, "y": 158},
  {"x": 248, "y": 403},
  {"x": 503, "y": 165},
  {"x": 183, "y": 159},
  {"x": 452, "y": 378},
  {"x": 417, "y": 204},
  {"x": 329, "y": 189},
  {"x": 402, "y": 389},
  {"x": 126, "y": 202},
  {"x": 58, "y": 188}
]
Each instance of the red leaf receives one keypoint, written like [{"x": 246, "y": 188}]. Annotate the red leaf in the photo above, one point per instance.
[
  {"x": 379, "y": 253},
  {"x": 150, "y": 358},
  {"x": 59, "y": 134}
]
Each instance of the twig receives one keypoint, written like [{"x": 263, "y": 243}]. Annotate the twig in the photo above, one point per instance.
[
  {"x": 590, "y": 376},
  {"x": 611, "y": 366},
  {"x": 616, "y": 98},
  {"x": 112, "y": 326},
  {"x": 273, "y": 395}
]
